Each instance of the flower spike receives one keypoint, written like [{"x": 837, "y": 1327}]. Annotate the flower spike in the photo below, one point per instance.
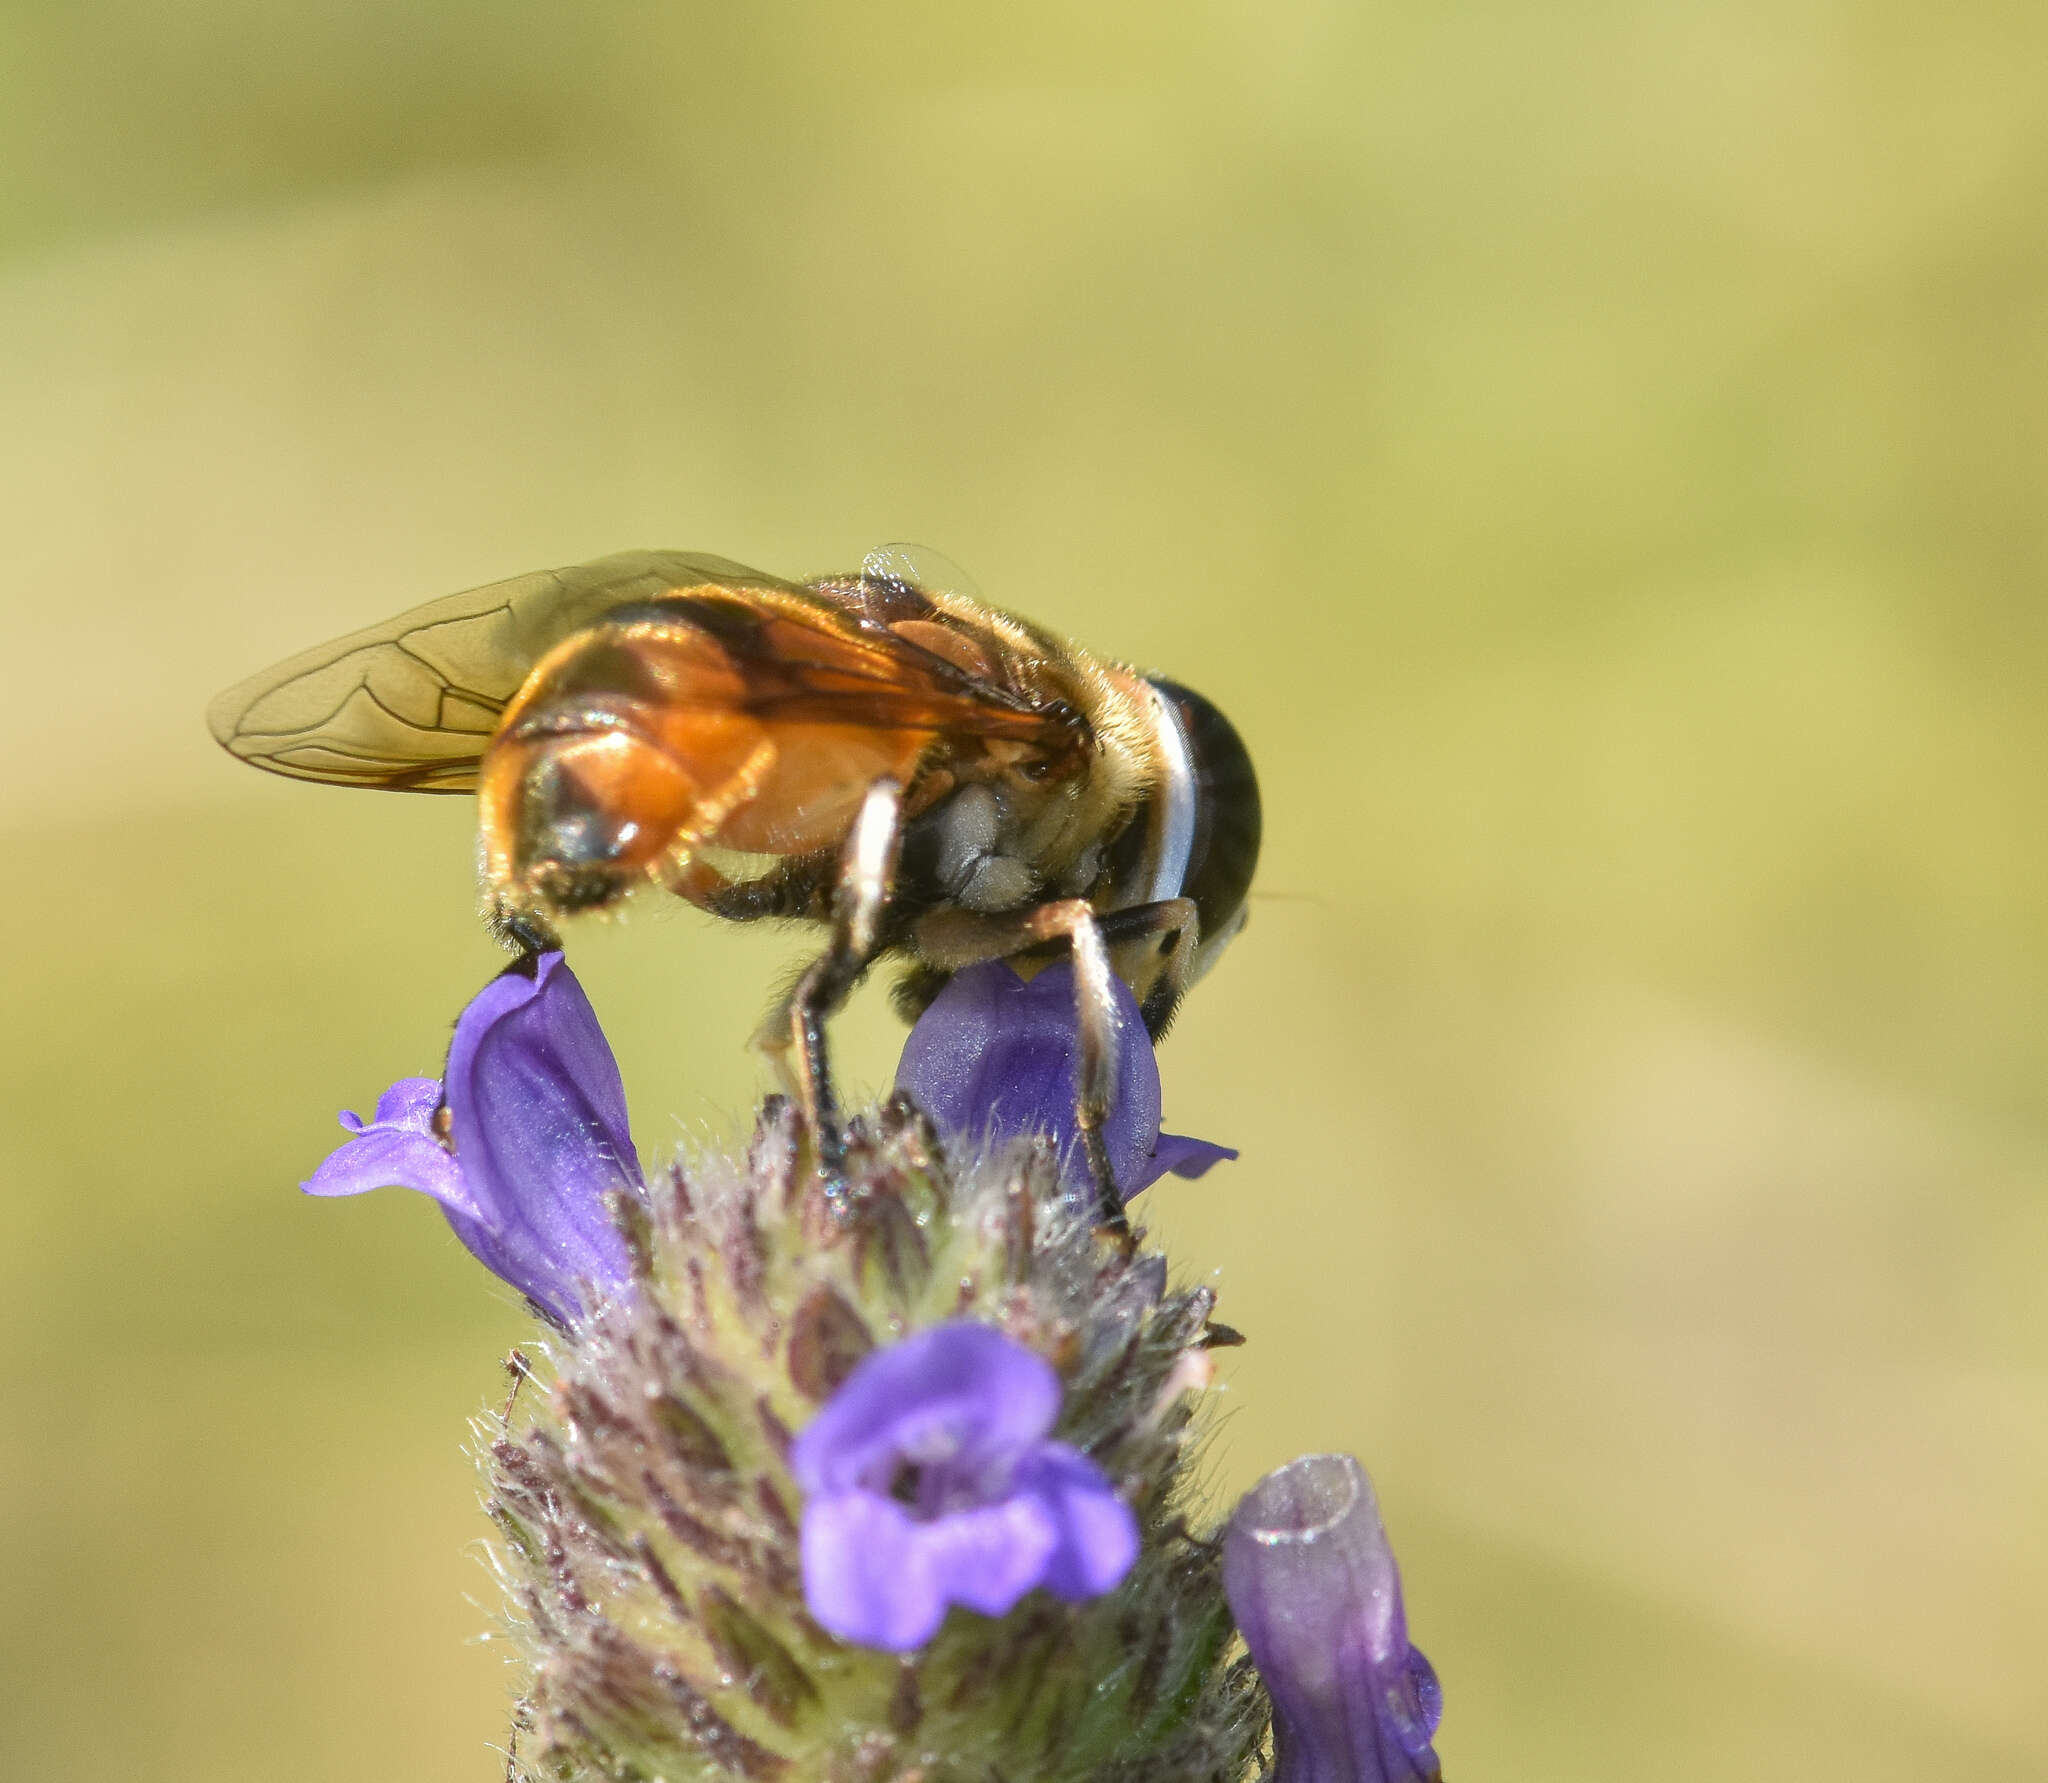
[{"x": 743, "y": 1507}]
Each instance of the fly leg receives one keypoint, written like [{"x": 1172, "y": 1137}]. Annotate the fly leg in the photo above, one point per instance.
[
  {"x": 522, "y": 932},
  {"x": 1095, "y": 1023},
  {"x": 1163, "y": 968},
  {"x": 953, "y": 939},
  {"x": 867, "y": 871}
]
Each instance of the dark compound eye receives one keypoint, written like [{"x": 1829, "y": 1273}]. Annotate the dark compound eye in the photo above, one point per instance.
[
  {"x": 579, "y": 836},
  {"x": 1225, "y": 851},
  {"x": 564, "y": 822}
]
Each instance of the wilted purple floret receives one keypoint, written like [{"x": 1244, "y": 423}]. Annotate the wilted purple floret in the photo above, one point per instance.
[
  {"x": 929, "y": 1481},
  {"x": 1317, "y": 1597},
  {"x": 537, "y": 1126},
  {"x": 995, "y": 1057}
]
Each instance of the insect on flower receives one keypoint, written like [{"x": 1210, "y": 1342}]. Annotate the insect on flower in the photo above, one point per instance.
[{"x": 929, "y": 777}]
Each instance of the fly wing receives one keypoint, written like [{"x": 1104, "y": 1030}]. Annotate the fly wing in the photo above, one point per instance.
[
  {"x": 822, "y": 654},
  {"x": 411, "y": 704}
]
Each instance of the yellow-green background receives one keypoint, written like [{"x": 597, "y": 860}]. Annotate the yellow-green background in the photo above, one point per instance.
[{"x": 1596, "y": 452}]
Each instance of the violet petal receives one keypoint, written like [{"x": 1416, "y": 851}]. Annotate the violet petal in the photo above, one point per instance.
[
  {"x": 1097, "y": 1535},
  {"x": 397, "y": 1150},
  {"x": 1317, "y": 1596},
  {"x": 1178, "y": 1155},
  {"x": 865, "y": 1577},
  {"x": 959, "y": 1395},
  {"x": 986, "y": 1557},
  {"x": 410, "y": 1101}
]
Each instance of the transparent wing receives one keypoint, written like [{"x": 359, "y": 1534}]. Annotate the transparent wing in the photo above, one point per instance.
[
  {"x": 411, "y": 704},
  {"x": 919, "y": 567}
]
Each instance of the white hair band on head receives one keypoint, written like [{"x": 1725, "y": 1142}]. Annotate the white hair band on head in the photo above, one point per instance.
[{"x": 1172, "y": 818}]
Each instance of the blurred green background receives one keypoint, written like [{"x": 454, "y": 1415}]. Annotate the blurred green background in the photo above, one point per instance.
[{"x": 1594, "y": 450}]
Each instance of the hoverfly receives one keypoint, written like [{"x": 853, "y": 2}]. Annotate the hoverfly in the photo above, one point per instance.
[{"x": 926, "y": 776}]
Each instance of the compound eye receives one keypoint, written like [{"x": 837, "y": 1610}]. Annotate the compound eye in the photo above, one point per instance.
[
  {"x": 592, "y": 814},
  {"x": 564, "y": 822}
]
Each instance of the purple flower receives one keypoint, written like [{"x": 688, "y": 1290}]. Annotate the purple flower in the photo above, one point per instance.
[
  {"x": 537, "y": 1138},
  {"x": 1318, "y": 1598},
  {"x": 995, "y": 1057},
  {"x": 929, "y": 1481}
]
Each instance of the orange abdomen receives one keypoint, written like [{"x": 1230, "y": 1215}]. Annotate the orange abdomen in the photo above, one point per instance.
[{"x": 635, "y": 744}]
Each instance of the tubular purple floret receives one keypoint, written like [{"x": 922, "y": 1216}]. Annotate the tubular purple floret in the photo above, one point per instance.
[
  {"x": 524, "y": 1141},
  {"x": 1317, "y": 1596}
]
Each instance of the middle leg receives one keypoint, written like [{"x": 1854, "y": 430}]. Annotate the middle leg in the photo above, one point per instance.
[{"x": 867, "y": 872}]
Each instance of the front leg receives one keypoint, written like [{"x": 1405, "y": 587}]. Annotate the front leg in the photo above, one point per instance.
[
  {"x": 1095, "y": 1023},
  {"x": 522, "y": 932},
  {"x": 1159, "y": 972},
  {"x": 867, "y": 873}
]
